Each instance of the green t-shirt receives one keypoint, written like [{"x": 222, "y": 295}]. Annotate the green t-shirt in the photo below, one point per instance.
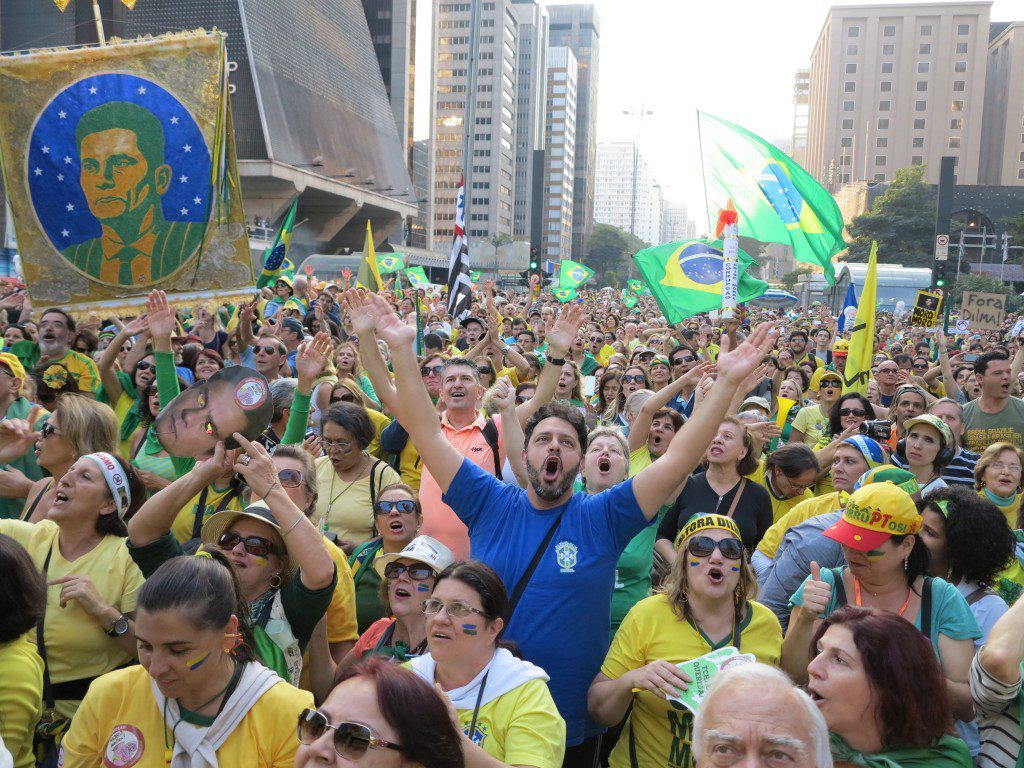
[
  {"x": 26, "y": 464},
  {"x": 983, "y": 429},
  {"x": 633, "y": 571}
]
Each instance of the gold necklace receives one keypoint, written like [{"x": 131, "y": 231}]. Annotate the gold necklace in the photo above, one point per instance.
[{"x": 330, "y": 504}]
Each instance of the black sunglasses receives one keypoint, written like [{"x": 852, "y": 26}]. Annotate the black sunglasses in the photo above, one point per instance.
[
  {"x": 47, "y": 430},
  {"x": 852, "y": 412},
  {"x": 270, "y": 350},
  {"x": 416, "y": 572},
  {"x": 351, "y": 740},
  {"x": 254, "y": 545},
  {"x": 405, "y": 506},
  {"x": 343, "y": 399},
  {"x": 681, "y": 360},
  {"x": 634, "y": 377},
  {"x": 426, "y": 370},
  {"x": 143, "y": 365},
  {"x": 484, "y": 371},
  {"x": 703, "y": 546}
]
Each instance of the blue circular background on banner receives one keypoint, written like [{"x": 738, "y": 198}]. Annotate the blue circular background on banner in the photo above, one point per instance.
[{"x": 55, "y": 166}]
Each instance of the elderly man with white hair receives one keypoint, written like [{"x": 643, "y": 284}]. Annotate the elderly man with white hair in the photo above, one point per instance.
[{"x": 754, "y": 717}]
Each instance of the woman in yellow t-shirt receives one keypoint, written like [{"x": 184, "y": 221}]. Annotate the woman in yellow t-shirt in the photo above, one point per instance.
[
  {"x": 502, "y": 703},
  {"x": 22, "y": 603},
  {"x": 198, "y": 698},
  {"x": 706, "y": 606},
  {"x": 92, "y": 581}
]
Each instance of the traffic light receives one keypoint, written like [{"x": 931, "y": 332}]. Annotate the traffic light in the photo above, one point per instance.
[
  {"x": 939, "y": 274},
  {"x": 534, "y": 259}
]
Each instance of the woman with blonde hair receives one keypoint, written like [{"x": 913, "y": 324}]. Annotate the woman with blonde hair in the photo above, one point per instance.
[
  {"x": 77, "y": 426},
  {"x": 346, "y": 359},
  {"x": 705, "y": 605}
]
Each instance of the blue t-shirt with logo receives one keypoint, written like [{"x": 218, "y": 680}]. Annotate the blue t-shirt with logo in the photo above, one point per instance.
[{"x": 563, "y": 621}]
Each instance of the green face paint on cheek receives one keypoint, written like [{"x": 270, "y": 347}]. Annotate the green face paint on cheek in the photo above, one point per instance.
[
  {"x": 875, "y": 554},
  {"x": 469, "y": 629}
]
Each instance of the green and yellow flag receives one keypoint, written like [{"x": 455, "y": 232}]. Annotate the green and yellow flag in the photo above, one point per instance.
[
  {"x": 573, "y": 275},
  {"x": 369, "y": 274},
  {"x": 628, "y": 299},
  {"x": 862, "y": 343},
  {"x": 637, "y": 287},
  {"x": 777, "y": 200},
  {"x": 275, "y": 258},
  {"x": 390, "y": 262},
  {"x": 475, "y": 275},
  {"x": 685, "y": 278},
  {"x": 417, "y": 277},
  {"x": 565, "y": 294}
]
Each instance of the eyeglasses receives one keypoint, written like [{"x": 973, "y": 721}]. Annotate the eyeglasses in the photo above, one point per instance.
[
  {"x": 852, "y": 412},
  {"x": 405, "y": 506},
  {"x": 343, "y": 399},
  {"x": 416, "y": 572},
  {"x": 999, "y": 466},
  {"x": 431, "y": 370},
  {"x": 634, "y": 377},
  {"x": 520, "y": 399},
  {"x": 270, "y": 350},
  {"x": 920, "y": 366},
  {"x": 290, "y": 478},
  {"x": 331, "y": 445},
  {"x": 254, "y": 545},
  {"x": 888, "y": 370},
  {"x": 48, "y": 430},
  {"x": 351, "y": 740},
  {"x": 703, "y": 546},
  {"x": 143, "y": 365},
  {"x": 485, "y": 371},
  {"x": 456, "y": 609},
  {"x": 681, "y": 360},
  {"x": 831, "y": 384}
]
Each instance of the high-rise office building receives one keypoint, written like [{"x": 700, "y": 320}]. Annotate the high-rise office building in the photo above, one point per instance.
[
  {"x": 897, "y": 85},
  {"x": 578, "y": 28},
  {"x": 1002, "y": 145},
  {"x": 421, "y": 185},
  {"x": 490, "y": 195},
  {"x": 392, "y": 25},
  {"x": 530, "y": 84},
  {"x": 798, "y": 139},
  {"x": 626, "y": 194},
  {"x": 559, "y": 154},
  {"x": 675, "y": 223}
]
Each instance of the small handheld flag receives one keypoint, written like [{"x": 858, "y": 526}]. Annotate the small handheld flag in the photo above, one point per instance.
[{"x": 275, "y": 258}]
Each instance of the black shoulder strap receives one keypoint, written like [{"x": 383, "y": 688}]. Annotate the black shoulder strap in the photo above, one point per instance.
[
  {"x": 490, "y": 431},
  {"x": 839, "y": 587},
  {"x": 374, "y": 480},
  {"x": 48, "y": 700},
  {"x": 926, "y": 607},
  {"x": 979, "y": 593},
  {"x": 35, "y": 502},
  {"x": 528, "y": 573}
]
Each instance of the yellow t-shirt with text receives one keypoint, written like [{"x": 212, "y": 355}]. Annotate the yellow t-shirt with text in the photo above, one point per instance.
[
  {"x": 120, "y": 712},
  {"x": 651, "y": 630},
  {"x": 77, "y": 645}
]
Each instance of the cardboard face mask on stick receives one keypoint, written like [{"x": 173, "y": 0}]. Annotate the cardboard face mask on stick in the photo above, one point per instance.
[{"x": 235, "y": 399}]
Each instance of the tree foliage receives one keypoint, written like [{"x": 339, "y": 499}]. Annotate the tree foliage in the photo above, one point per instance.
[
  {"x": 791, "y": 279},
  {"x": 1015, "y": 228},
  {"x": 983, "y": 284},
  {"x": 902, "y": 220},
  {"x": 608, "y": 251}
]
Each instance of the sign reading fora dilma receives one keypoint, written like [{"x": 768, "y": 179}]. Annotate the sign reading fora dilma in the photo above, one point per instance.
[
  {"x": 120, "y": 169},
  {"x": 983, "y": 311}
]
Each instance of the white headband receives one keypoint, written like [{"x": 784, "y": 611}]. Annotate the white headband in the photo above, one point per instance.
[{"x": 117, "y": 480}]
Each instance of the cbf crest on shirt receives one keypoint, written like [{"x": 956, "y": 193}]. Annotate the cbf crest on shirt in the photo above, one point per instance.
[
  {"x": 119, "y": 164},
  {"x": 566, "y": 554}
]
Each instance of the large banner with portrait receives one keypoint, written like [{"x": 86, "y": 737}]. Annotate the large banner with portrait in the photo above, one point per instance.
[{"x": 119, "y": 165}]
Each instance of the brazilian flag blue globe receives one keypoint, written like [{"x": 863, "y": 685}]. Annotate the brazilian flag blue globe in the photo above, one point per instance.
[{"x": 685, "y": 277}]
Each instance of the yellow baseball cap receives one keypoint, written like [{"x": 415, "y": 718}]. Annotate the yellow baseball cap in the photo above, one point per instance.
[
  {"x": 707, "y": 523},
  {"x": 874, "y": 513},
  {"x": 820, "y": 375},
  {"x": 841, "y": 347},
  {"x": 14, "y": 365}
]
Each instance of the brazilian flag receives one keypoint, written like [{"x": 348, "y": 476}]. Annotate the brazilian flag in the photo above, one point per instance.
[
  {"x": 637, "y": 287},
  {"x": 275, "y": 258},
  {"x": 628, "y": 299},
  {"x": 390, "y": 262},
  {"x": 417, "y": 277},
  {"x": 685, "y": 278},
  {"x": 573, "y": 275},
  {"x": 565, "y": 294},
  {"x": 475, "y": 275}
]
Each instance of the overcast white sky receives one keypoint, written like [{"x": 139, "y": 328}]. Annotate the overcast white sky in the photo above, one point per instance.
[{"x": 732, "y": 58}]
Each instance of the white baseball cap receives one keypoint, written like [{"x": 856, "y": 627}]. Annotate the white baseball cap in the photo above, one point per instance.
[{"x": 423, "y": 549}]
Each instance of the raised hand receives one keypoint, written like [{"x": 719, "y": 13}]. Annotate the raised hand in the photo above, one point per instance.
[
  {"x": 363, "y": 312},
  {"x": 734, "y": 365},
  {"x": 372, "y": 308},
  {"x": 565, "y": 328},
  {"x": 160, "y": 315},
  {"x": 817, "y": 594},
  {"x": 503, "y": 394},
  {"x": 259, "y": 471},
  {"x": 18, "y": 436},
  {"x": 312, "y": 359}
]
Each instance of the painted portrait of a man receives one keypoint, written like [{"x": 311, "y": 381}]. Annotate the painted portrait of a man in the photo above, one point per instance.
[{"x": 123, "y": 176}]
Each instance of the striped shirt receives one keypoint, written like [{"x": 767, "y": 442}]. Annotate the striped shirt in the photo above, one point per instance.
[
  {"x": 960, "y": 471},
  {"x": 998, "y": 715}
]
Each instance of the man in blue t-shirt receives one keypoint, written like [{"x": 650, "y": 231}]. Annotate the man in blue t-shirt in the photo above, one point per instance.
[{"x": 562, "y": 621}]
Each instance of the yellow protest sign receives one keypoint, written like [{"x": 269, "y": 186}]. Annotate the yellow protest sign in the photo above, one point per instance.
[{"x": 926, "y": 309}]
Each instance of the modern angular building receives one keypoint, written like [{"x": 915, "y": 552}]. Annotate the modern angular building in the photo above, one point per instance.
[
  {"x": 1002, "y": 142},
  {"x": 530, "y": 86},
  {"x": 392, "y": 26},
  {"x": 559, "y": 155},
  {"x": 311, "y": 113},
  {"x": 578, "y": 28}
]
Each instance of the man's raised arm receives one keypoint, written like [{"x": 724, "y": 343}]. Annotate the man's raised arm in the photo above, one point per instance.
[
  {"x": 655, "y": 483},
  {"x": 412, "y": 406}
]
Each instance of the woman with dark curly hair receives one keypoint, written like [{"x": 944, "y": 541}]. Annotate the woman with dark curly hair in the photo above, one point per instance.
[{"x": 863, "y": 663}]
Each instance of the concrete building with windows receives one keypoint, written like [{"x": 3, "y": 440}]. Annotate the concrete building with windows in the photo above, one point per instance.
[
  {"x": 392, "y": 25},
  {"x": 675, "y": 223},
  {"x": 578, "y": 28},
  {"x": 1002, "y": 145},
  {"x": 626, "y": 194},
  {"x": 801, "y": 104},
  {"x": 559, "y": 155},
  {"x": 897, "y": 85},
  {"x": 530, "y": 86},
  {"x": 490, "y": 170}
]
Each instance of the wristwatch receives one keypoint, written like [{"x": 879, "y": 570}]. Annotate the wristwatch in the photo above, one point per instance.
[
  {"x": 119, "y": 627},
  {"x": 557, "y": 360}
]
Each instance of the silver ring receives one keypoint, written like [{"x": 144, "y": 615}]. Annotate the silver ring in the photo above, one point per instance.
[{"x": 246, "y": 459}]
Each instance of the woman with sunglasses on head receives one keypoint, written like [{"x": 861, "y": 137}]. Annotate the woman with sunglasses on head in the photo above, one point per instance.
[
  {"x": 887, "y": 568},
  {"x": 282, "y": 563},
  {"x": 706, "y": 604},
  {"x": 206, "y": 363},
  {"x": 199, "y": 698},
  {"x": 849, "y": 412},
  {"x": 397, "y": 519},
  {"x": 121, "y": 387},
  {"x": 405, "y": 579},
  {"x": 505, "y": 711},
  {"x": 77, "y": 426},
  {"x": 92, "y": 583},
  {"x": 379, "y": 715}
]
